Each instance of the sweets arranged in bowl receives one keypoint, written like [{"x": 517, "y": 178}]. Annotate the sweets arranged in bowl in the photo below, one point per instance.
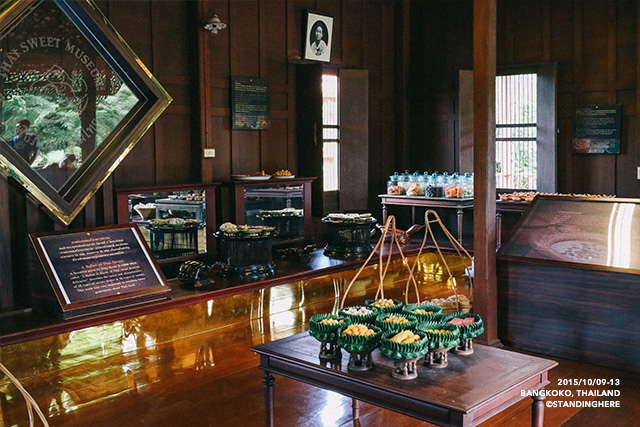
[
  {"x": 359, "y": 340},
  {"x": 385, "y": 305},
  {"x": 359, "y": 314},
  {"x": 416, "y": 331}
]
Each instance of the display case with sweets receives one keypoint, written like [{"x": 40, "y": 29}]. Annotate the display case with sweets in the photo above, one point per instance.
[
  {"x": 359, "y": 340},
  {"x": 349, "y": 235},
  {"x": 405, "y": 348},
  {"x": 470, "y": 326},
  {"x": 325, "y": 328},
  {"x": 246, "y": 251}
]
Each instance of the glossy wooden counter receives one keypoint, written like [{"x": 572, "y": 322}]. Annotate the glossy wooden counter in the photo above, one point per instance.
[
  {"x": 98, "y": 373},
  {"x": 19, "y": 327}
]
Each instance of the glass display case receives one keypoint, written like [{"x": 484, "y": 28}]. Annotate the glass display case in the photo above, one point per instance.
[
  {"x": 602, "y": 232},
  {"x": 568, "y": 280},
  {"x": 175, "y": 220},
  {"x": 281, "y": 203}
]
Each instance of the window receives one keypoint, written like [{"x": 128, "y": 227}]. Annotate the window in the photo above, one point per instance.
[
  {"x": 516, "y": 132},
  {"x": 330, "y": 133}
]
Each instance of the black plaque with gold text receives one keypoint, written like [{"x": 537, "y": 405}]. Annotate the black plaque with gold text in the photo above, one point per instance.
[
  {"x": 250, "y": 103},
  {"x": 100, "y": 269}
]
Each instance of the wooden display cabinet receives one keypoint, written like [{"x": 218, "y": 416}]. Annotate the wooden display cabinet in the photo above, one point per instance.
[{"x": 568, "y": 280}]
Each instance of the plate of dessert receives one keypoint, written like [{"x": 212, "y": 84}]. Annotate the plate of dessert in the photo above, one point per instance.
[
  {"x": 283, "y": 174},
  {"x": 258, "y": 176}
]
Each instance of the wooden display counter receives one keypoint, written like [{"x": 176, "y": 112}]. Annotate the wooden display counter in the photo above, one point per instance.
[{"x": 568, "y": 281}]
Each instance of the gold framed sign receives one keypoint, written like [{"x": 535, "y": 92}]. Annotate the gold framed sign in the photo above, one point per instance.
[{"x": 74, "y": 100}]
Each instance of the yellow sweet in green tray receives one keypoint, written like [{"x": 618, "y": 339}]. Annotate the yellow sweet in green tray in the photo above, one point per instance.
[
  {"x": 422, "y": 311},
  {"x": 330, "y": 321},
  {"x": 359, "y": 330},
  {"x": 439, "y": 331},
  {"x": 383, "y": 303},
  {"x": 399, "y": 320},
  {"x": 405, "y": 337}
]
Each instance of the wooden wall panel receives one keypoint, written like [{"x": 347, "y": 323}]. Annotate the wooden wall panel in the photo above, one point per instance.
[
  {"x": 527, "y": 21},
  {"x": 595, "y": 45},
  {"x": 132, "y": 20},
  {"x": 273, "y": 42},
  {"x": 353, "y": 40},
  {"x": 274, "y": 147}
]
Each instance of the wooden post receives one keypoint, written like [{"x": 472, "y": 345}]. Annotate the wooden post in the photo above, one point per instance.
[
  {"x": 484, "y": 166},
  {"x": 204, "y": 90},
  {"x": 6, "y": 279}
]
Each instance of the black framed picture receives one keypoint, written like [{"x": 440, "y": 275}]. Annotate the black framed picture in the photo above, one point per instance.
[{"x": 318, "y": 37}]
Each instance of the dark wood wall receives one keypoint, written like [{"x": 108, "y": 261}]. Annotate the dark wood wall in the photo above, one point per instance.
[
  {"x": 595, "y": 44},
  {"x": 262, "y": 39}
]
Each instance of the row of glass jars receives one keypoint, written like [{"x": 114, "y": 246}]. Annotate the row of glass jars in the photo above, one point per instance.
[{"x": 431, "y": 185}]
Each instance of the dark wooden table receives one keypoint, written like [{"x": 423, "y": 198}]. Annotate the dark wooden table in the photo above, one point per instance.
[
  {"x": 460, "y": 204},
  {"x": 469, "y": 391}
]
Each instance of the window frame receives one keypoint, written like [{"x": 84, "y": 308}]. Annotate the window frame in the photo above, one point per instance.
[{"x": 546, "y": 123}]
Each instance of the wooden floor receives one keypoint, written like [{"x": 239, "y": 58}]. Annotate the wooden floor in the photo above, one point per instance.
[{"x": 193, "y": 366}]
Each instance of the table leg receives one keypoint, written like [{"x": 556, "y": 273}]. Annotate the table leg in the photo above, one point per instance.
[
  {"x": 413, "y": 215},
  {"x": 268, "y": 380},
  {"x": 355, "y": 408},
  {"x": 537, "y": 411},
  {"x": 498, "y": 229},
  {"x": 460, "y": 212}
]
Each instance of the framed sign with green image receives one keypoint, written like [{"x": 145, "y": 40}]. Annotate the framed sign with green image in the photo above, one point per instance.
[{"x": 596, "y": 129}]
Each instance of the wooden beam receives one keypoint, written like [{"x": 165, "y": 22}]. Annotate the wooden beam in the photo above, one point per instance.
[{"x": 484, "y": 166}]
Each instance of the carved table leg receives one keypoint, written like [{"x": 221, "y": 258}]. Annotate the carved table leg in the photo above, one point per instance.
[
  {"x": 537, "y": 411},
  {"x": 460, "y": 223},
  {"x": 268, "y": 380},
  {"x": 384, "y": 213}
]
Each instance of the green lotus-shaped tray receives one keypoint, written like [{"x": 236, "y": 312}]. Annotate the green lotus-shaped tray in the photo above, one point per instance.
[
  {"x": 395, "y": 308},
  {"x": 467, "y": 331},
  {"x": 440, "y": 340},
  {"x": 359, "y": 318},
  {"x": 326, "y": 332},
  {"x": 435, "y": 315},
  {"x": 356, "y": 343},
  {"x": 389, "y": 326},
  {"x": 400, "y": 351}
]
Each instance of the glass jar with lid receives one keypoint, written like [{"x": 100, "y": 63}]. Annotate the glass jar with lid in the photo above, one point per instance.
[
  {"x": 404, "y": 180},
  {"x": 453, "y": 189},
  {"x": 393, "y": 185},
  {"x": 467, "y": 185},
  {"x": 434, "y": 186},
  {"x": 416, "y": 185}
]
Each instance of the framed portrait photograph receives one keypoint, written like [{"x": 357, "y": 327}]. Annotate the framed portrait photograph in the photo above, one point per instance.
[{"x": 318, "y": 37}]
